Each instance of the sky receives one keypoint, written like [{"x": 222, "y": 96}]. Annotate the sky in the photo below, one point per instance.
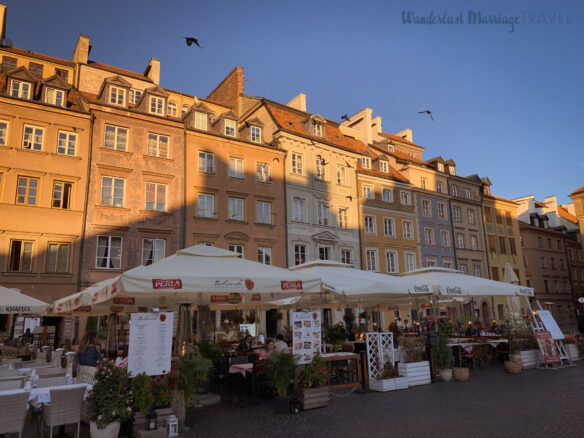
[{"x": 507, "y": 97}]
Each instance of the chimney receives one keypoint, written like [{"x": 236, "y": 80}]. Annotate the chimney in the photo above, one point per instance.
[
  {"x": 299, "y": 102},
  {"x": 2, "y": 22},
  {"x": 81, "y": 53},
  {"x": 551, "y": 202},
  {"x": 229, "y": 91},
  {"x": 376, "y": 128},
  {"x": 408, "y": 135},
  {"x": 153, "y": 70}
]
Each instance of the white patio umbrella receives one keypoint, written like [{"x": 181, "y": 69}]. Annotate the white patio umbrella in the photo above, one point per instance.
[
  {"x": 14, "y": 302},
  {"x": 509, "y": 275}
]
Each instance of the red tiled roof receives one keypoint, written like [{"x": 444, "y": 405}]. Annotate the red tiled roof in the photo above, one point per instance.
[
  {"x": 39, "y": 56},
  {"x": 578, "y": 191},
  {"x": 119, "y": 71},
  {"x": 392, "y": 172},
  {"x": 399, "y": 155},
  {"x": 398, "y": 138},
  {"x": 563, "y": 212}
]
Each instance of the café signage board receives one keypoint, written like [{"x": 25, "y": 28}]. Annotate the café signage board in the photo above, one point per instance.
[
  {"x": 150, "y": 348},
  {"x": 306, "y": 335}
]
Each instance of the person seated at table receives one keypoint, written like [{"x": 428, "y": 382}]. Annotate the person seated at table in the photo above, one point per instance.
[
  {"x": 100, "y": 351},
  {"x": 120, "y": 355},
  {"x": 267, "y": 350},
  {"x": 280, "y": 346},
  {"x": 26, "y": 337},
  {"x": 89, "y": 355},
  {"x": 245, "y": 345}
]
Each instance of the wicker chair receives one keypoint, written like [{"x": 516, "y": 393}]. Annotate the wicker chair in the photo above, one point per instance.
[
  {"x": 43, "y": 381},
  {"x": 13, "y": 408},
  {"x": 8, "y": 384},
  {"x": 64, "y": 408}
]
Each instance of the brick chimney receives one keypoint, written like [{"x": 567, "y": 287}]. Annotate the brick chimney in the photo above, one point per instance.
[
  {"x": 153, "y": 70},
  {"x": 81, "y": 53},
  {"x": 230, "y": 89}
]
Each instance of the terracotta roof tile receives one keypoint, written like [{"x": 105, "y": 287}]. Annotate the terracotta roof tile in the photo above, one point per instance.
[
  {"x": 119, "y": 71},
  {"x": 578, "y": 191},
  {"x": 398, "y": 138},
  {"x": 39, "y": 56},
  {"x": 563, "y": 212}
]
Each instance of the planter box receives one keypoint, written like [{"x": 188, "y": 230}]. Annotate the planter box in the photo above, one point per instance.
[
  {"x": 312, "y": 398},
  {"x": 529, "y": 358},
  {"x": 572, "y": 351},
  {"x": 417, "y": 373},
  {"x": 384, "y": 385}
]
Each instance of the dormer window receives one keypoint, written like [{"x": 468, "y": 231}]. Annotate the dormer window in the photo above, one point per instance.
[
  {"x": 20, "y": 89},
  {"x": 135, "y": 96},
  {"x": 440, "y": 167},
  {"x": 184, "y": 110},
  {"x": 451, "y": 170},
  {"x": 256, "y": 134},
  {"x": 390, "y": 148},
  {"x": 201, "y": 121},
  {"x": 383, "y": 166},
  {"x": 157, "y": 105},
  {"x": 117, "y": 96},
  {"x": 366, "y": 163},
  {"x": 317, "y": 129},
  {"x": 55, "y": 96},
  {"x": 230, "y": 127},
  {"x": 172, "y": 109}
]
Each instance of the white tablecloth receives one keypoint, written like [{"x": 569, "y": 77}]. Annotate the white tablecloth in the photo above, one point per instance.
[{"x": 40, "y": 396}]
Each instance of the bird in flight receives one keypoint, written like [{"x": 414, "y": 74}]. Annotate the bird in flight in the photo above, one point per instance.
[
  {"x": 349, "y": 197},
  {"x": 191, "y": 40},
  {"x": 345, "y": 117},
  {"x": 348, "y": 164},
  {"x": 427, "y": 112}
]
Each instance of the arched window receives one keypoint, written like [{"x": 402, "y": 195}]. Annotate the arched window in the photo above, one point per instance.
[
  {"x": 185, "y": 109},
  {"x": 172, "y": 109}
]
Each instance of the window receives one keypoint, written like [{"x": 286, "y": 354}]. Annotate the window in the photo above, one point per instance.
[
  {"x": 426, "y": 209},
  {"x": 343, "y": 221},
  {"x": 476, "y": 271},
  {"x": 410, "y": 259},
  {"x": 236, "y": 209},
  {"x": 391, "y": 262},
  {"x": 323, "y": 214},
  {"x": 562, "y": 264},
  {"x": 20, "y": 89},
  {"x": 27, "y": 190},
  {"x": 112, "y": 191},
  {"x": 428, "y": 236},
  {"x": 297, "y": 164},
  {"x": 237, "y": 248},
  {"x": 467, "y": 193},
  {"x": 442, "y": 211},
  {"x": 115, "y": 138},
  {"x": 366, "y": 163},
  {"x": 462, "y": 268},
  {"x": 347, "y": 256},
  {"x": 58, "y": 257},
  {"x": 320, "y": 169},
  {"x": 508, "y": 218},
  {"x": 109, "y": 252},
  {"x": 456, "y": 211},
  {"x": 388, "y": 227},
  {"x": 440, "y": 167},
  {"x": 230, "y": 127},
  {"x": 61, "y": 195},
  {"x": 542, "y": 261},
  {"x": 488, "y": 215},
  {"x": 371, "y": 260},
  {"x": 299, "y": 254},
  {"x": 387, "y": 195},
  {"x": 317, "y": 129},
  {"x": 298, "y": 210},
  {"x": 447, "y": 262},
  {"x": 445, "y": 238},
  {"x": 156, "y": 105},
  {"x": 265, "y": 255},
  {"x": 263, "y": 172},
  {"x": 264, "y": 212},
  {"x": 32, "y": 138},
  {"x": 135, "y": 96},
  {"x": 117, "y": 96},
  {"x": 474, "y": 243},
  {"x": 67, "y": 143},
  {"x": 431, "y": 262},
  {"x": 370, "y": 226},
  {"x": 454, "y": 190},
  {"x": 368, "y": 192},
  {"x": 439, "y": 187},
  {"x": 324, "y": 252},
  {"x": 460, "y": 240},
  {"x": 153, "y": 250},
  {"x": 54, "y": 96},
  {"x": 559, "y": 244},
  {"x": 206, "y": 162},
  {"x": 341, "y": 175},
  {"x": 540, "y": 242},
  {"x": 8, "y": 63},
  {"x": 405, "y": 198},
  {"x": 63, "y": 74},
  {"x": 552, "y": 262},
  {"x": 155, "y": 196},
  {"x": 158, "y": 145},
  {"x": 172, "y": 109},
  {"x": 235, "y": 169},
  {"x": 3, "y": 133},
  {"x": 470, "y": 216},
  {"x": 201, "y": 121},
  {"x": 451, "y": 170},
  {"x": 408, "y": 230},
  {"x": 424, "y": 183},
  {"x": 21, "y": 256},
  {"x": 184, "y": 110},
  {"x": 495, "y": 273},
  {"x": 206, "y": 205},
  {"x": 499, "y": 216},
  {"x": 256, "y": 134},
  {"x": 546, "y": 285},
  {"x": 383, "y": 166},
  {"x": 502, "y": 248}
]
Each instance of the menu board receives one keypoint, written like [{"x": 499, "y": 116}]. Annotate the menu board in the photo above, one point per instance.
[
  {"x": 150, "y": 348},
  {"x": 306, "y": 335},
  {"x": 247, "y": 328},
  {"x": 548, "y": 347}
]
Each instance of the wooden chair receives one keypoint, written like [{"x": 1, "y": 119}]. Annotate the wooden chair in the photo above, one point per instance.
[
  {"x": 64, "y": 408},
  {"x": 13, "y": 409},
  {"x": 44, "y": 382}
]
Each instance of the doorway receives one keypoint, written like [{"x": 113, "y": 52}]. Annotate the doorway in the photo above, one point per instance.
[{"x": 271, "y": 323}]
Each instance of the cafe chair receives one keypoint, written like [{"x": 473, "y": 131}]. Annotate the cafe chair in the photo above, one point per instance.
[
  {"x": 64, "y": 408},
  {"x": 8, "y": 384},
  {"x": 13, "y": 409},
  {"x": 45, "y": 382}
]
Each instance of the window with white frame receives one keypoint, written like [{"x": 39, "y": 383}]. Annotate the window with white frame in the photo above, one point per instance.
[
  {"x": 230, "y": 127},
  {"x": 442, "y": 214},
  {"x": 366, "y": 163},
  {"x": 322, "y": 213},
  {"x": 156, "y": 105},
  {"x": 320, "y": 169},
  {"x": 206, "y": 205},
  {"x": 297, "y": 167},
  {"x": 237, "y": 249},
  {"x": 408, "y": 229},
  {"x": 368, "y": 192},
  {"x": 256, "y": 134},
  {"x": 264, "y": 212},
  {"x": 391, "y": 262},
  {"x": 343, "y": 220},
  {"x": 324, "y": 252},
  {"x": 61, "y": 197},
  {"x": 476, "y": 270},
  {"x": 262, "y": 172},
  {"x": 21, "y": 256},
  {"x": 460, "y": 240},
  {"x": 66, "y": 143},
  {"x": 20, "y": 89},
  {"x": 410, "y": 259},
  {"x": 32, "y": 138},
  {"x": 27, "y": 190},
  {"x": 341, "y": 175},
  {"x": 206, "y": 162},
  {"x": 454, "y": 190},
  {"x": 115, "y": 138},
  {"x": 235, "y": 169},
  {"x": 112, "y": 191},
  {"x": 424, "y": 183},
  {"x": 387, "y": 195},
  {"x": 317, "y": 129},
  {"x": 58, "y": 257},
  {"x": 440, "y": 167},
  {"x": 200, "y": 121},
  {"x": 447, "y": 262},
  {"x": 462, "y": 268},
  {"x": 109, "y": 252},
  {"x": 299, "y": 209},
  {"x": 426, "y": 208},
  {"x": 428, "y": 236},
  {"x": 445, "y": 238},
  {"x": 470, "y": 216},
  {"x": 451, "y": 170},
  {"x": 370, "y": 227},
  {"x": 117, "y": 96},
  {"x": 456, "y": 212},
  {"x": 371, "y": 263},
  {"x": 474, "y": 243},
  {"x": 135, "y": 96},
  {"x": 155, "y": 196},
  {"x": 236, "y": 209},
  {"x": 158, "y": 145},
  {"x": 3, "y": 133},
  {"x": 265, "y": 255},
  {"x": 347, "y": 256},
  {"x": 54, "y": 96},
  {"x": 172, "y": 109},
  {"x": 405, "y": 198},
  {"x": 299, "y": 254},
  {"x": 431, "y": 262},
  {"x": 467, "y": 194},
  {"x": 439, "y": 187},
  {"x": 388, "y": 227},
  {"x": 384, "y": 166},
  {"x": 153, "y": 250}
]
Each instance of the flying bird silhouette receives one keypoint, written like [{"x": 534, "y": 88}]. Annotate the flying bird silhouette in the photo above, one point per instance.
[
  {"x": 191, "y": 41},
  {"x": 345, "y": 117},
  {"x": 349, "y": 197},
  {"x": 427, "y": 112},
  {"x": 348, "y": 164}
]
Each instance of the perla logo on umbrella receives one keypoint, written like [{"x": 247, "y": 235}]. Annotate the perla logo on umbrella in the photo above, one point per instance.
[
  {"x": 174, "y": 283},
  {"x": 423, "y": 288},
  {"x": 453, "y": 290},
  {"x": 287, "y": 285}
]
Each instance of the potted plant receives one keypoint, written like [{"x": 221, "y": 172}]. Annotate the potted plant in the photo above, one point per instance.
[
  {"x": 280, "y": 370},
  {"x": 388, "y": 378},
  {"x": 191, "y": 373},
  {"x": 314, "y": 392},
  {"x": 110, "y": 400},
  {"x": 143, "y": 399},
  {"x": 334, "y": 334},
  {"x": 442, "y": 353},
  {"x": 413, "y": 367}
]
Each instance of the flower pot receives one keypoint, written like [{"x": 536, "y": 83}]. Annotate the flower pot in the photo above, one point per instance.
[
  {"x": 109, "y": 431},
  {"x": 418, "y": 373},
  {"x": 312, "y": 398},
  {"x": 446, "y": 375},
  {"x": 513, "y": 367},
  {"x": 282, "y": 405},
  {"x": 529, "y": 358},
  {"x": 461, "y": 373},
  {"x": 572, "y": 351}
]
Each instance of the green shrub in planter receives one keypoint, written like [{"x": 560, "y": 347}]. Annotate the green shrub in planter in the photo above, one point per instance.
[
  {"x": 142, "y": 392},
  {"x": 280, "y": 369}
]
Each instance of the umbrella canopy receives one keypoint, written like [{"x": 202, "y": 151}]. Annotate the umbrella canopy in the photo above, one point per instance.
[
  {"x": 197, "y": 275},
  {"x": 509, "y": 276},
  {"x": 13, "y": 302},
  {"x": 453, "y": 283}
]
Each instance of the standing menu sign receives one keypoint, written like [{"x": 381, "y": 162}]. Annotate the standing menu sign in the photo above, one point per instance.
[
  {"x": 306, "y": 339},
  {"x": 548, "y": 347},
  {"x": 150, "y": 348}
]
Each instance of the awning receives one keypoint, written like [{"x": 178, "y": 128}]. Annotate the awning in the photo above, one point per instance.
[{"x": 14, "y": 302}]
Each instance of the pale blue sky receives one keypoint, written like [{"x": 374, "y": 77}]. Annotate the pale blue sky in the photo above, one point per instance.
[{"x": 509, "y": 106}]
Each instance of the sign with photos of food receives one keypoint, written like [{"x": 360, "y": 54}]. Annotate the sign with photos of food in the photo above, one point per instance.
[{"x": 306, "y": 335}]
